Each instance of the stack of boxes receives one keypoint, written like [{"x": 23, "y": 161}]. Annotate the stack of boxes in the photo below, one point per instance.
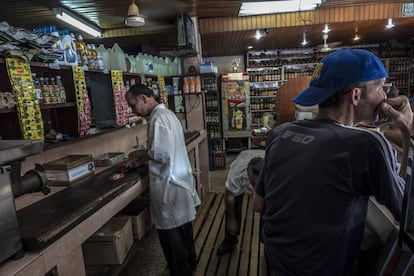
[{"x": 112, "y": 242}]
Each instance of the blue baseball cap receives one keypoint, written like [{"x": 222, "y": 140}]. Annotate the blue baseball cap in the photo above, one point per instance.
[{"x": 339, "y": 70}]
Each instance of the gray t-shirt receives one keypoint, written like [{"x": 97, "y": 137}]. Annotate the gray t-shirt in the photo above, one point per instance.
[{"x": 316, "y": 180}]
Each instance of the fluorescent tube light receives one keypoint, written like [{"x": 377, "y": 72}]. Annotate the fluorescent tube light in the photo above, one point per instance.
[
  {"x": 268, "y": 7},
  {"x": 77, "y": 22}
]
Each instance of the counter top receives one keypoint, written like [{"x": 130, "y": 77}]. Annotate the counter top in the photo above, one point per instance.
[{"x": 47, "y": 220}]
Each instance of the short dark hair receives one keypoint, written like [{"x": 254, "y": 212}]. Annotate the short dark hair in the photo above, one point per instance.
[
  {"x": 255, "y": 165},
  {"x": 140, "y": 89},
  {"x": 335, "y": 99}
]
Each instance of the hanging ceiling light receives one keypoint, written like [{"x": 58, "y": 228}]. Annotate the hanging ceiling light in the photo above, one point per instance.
[
  {"x": 134, "y": 19},
  {"x": 304, "y": 41},
  {"x": 326, "y": 29},
  {"x": 258, "y": 34},
  {"x": 390, "y": 24},
  {"x": 356, "y": 37},
  {"x": 77, "y": 22}
]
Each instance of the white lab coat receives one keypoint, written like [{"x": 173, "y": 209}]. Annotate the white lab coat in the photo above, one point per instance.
[{"x": 173, "y": 195}]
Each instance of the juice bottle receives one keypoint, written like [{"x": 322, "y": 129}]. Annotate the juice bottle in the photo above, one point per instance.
[
  {"x": 61, "y": 89},
  {"x": 186, "y": 88},
  {"x": 83, "y": 51},
  {"x": 198, "y": 85}
]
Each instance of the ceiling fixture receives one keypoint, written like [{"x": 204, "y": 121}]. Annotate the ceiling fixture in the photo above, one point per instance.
[
  {"x": 77, "y": 22},
  {"x": 304, "y": 41},
  {"x": 390, "y": 24},
  {"x": 249, "y": 47},
  {"x": 326, "y": 29},
  {"x": 356, "y": 37},
  {"x": 267, "y": 7},
  {"x": 134, "y": 19},
  {"x": 258, "y": 35},
  {"x": 325, "y": 46}
]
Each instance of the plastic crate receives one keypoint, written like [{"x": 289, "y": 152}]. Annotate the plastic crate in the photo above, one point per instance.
[{"x": 219, "y": 157}]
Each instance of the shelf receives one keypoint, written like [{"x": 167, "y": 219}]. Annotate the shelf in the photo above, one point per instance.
[
  {"x": 297, "y": 57},
  {"x": 260, "y": 97},
  {"x": 8, "y": 110},
  {"x": 214, "y": 138},
  {"x": 299, "y": 64},
  {"x": 213, "y": 123},
  {"x": 212, "y": 108},
  {"x": 58, "y": 105},
  {"x": 398, "y": 73},
  {"x": 257, "y": 82},
  {"x": 262, "y": 68},
  {"x": 262, "y": 110},
  {"x": 263, "y": 58},
  {"x": 211, "y": 91}
]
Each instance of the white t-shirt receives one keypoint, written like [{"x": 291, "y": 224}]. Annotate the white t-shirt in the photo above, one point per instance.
[
  {"x": 173, "y": 195},
  {"x": 237, "y": 179}
]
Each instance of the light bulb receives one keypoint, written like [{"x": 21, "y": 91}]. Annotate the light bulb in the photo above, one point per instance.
[
  {"x": 258, "y": 35},
  {"x": 390, "y": 24},
  {"x": 326, "y": 29}
]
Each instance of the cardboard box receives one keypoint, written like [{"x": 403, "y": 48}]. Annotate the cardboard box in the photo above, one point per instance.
[
  {"x": 110, "y": 244},
  {"x": 140, "y": 214},
  {"x": 69, "y": 169}
]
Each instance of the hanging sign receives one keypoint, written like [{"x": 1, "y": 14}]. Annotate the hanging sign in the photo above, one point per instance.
[
  {"x": 163, "y": 93},
  {"x": 83, "y": 103},
  {"x": 407, "y": 9},
  {"x": 28, "y": 108},
  {"x": 121, "y": 104}
]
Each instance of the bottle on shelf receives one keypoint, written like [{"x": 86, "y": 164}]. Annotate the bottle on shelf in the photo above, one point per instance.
[
  {"x": 82, "y": 51},
  {"x": 198, "y": 85},
  {"x": 186, "y": 88},
  {"x": 61, "y": 89},
  {"x": 37, "y": 87}
]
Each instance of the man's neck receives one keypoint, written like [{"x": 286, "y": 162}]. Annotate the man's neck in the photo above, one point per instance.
[{"x": 338, "y": 114}]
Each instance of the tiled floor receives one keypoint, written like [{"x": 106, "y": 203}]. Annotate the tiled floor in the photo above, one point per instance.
[{"x": 146, "y": 258}]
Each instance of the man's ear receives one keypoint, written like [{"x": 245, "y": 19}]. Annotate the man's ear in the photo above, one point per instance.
[
  {"x": 355, "y": 95},
  {"x": 143, "y": 98}
]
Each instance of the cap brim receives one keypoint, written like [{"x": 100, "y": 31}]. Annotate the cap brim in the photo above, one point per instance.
[{"x": 313, "y": 96}]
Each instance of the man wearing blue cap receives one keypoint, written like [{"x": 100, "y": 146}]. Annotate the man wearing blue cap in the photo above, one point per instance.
[{"x": 318, "y": 174}]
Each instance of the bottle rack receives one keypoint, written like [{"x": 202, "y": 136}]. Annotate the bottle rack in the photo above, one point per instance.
[
  {"x": 212, "y": 111},
  {"x": 399, "y": 73}
]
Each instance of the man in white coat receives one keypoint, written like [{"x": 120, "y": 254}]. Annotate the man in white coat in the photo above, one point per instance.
[{"x": 173, "y": 195}]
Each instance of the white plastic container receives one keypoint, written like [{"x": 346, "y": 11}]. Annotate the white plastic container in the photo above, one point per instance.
[
  {"x": 118, "y": 61},
  {"x": 140, "y": 63},
  {"x": 106, "y": 56},
  {"x": 69, "y": 49}
]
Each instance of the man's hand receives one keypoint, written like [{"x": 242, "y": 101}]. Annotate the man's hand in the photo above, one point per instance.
[{"x": 400, "y": 112}]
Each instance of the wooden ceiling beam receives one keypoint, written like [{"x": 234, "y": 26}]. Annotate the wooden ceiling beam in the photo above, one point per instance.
[
  {"x": 320, "y": 16},
  {"x": 139, "y": 31}
]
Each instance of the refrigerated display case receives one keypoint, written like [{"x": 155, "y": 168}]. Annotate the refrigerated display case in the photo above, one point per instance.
[{"x": 235, "y": 93}]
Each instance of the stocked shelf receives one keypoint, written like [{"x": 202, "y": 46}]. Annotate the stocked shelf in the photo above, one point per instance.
[
  {"x": 58, "y": 105},
  {"x": 262, "y": 110},
  {"x": 212, "y": 115}
]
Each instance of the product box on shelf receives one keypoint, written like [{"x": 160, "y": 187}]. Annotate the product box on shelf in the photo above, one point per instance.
[
  {"x": 110, "y": 244},
  {"x": 208, "y": 67}
]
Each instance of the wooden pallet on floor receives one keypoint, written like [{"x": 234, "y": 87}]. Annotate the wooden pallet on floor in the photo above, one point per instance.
[{"x": 247, "y": 257}]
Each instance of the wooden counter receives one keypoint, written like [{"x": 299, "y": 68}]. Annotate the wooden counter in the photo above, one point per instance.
[{"x": 66, "y": 253}]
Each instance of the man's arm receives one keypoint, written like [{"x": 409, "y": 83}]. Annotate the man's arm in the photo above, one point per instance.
[{"x": 258, "y": 203}]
